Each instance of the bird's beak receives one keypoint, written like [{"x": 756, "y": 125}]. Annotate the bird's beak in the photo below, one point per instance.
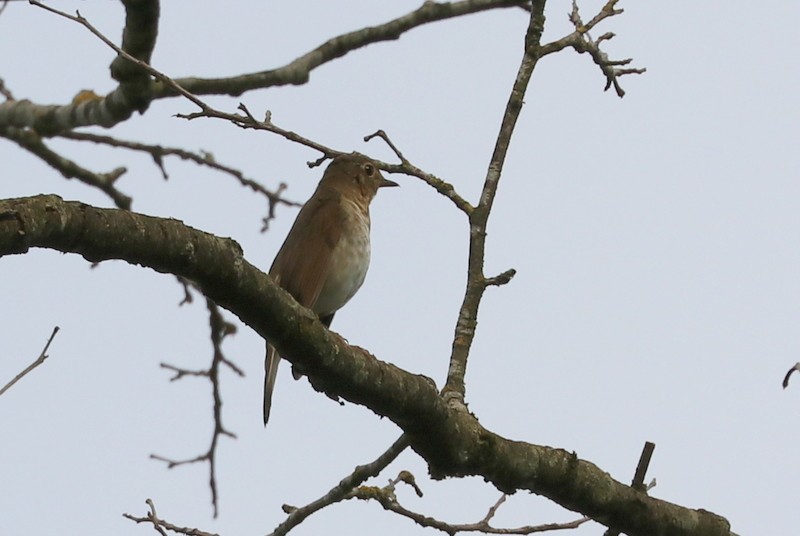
[{"x": 386, "y": 182}]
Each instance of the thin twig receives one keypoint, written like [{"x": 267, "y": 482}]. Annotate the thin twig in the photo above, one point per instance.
[
  {"x": 796, "y": 367},
  {"x": 157, "y": 153},
  {"x": 387, "y": 498},
  {"x": 219, "y": 330},
  {"x": 4, "y": 91},
  {"x": 161, "y": 526},
  {"x": 39, "y": 360},
  {"x": 342, "y": 490},
  {"x": 582, "y": 42},
  {"x": 407, "y": 168},
  {"x": 501, "y": 279}
]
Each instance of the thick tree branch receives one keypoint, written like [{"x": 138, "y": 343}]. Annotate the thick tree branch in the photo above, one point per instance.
[
  {"x": 298, "y": 71},
  {"x": 452, "y": 441},
  {"x": 138, "y": 40},
  {"x": 132, "y": 95}
]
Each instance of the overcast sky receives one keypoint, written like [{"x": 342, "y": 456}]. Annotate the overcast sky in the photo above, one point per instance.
[{"x": 655, "y": 239}]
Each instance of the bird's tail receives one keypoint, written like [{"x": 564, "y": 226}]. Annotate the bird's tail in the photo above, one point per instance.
[{"x": 270, "y": 373}]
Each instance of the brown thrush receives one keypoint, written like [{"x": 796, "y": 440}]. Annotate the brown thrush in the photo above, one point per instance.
[{"x": 324, "y": 259}]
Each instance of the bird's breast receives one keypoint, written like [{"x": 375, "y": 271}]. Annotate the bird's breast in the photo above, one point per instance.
[{"x": 348, "y": 265}]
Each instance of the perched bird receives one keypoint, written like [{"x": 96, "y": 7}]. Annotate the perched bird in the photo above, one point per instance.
[{"x": 324, "y": 259}]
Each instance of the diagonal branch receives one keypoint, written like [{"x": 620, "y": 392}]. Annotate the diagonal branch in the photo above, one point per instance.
[
  {"x": 452, "y": 441},
  {"x": 343, "y": 489},
  {"x": 105, "y": 182},
  {"x": 298, "y": 71},
  {"x": 118, "y": 105},
  {"x": 39, "y": 360}
]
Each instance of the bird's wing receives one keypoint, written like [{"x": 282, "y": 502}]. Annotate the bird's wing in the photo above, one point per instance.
[
  {"x": 301, "y": 266},
  {"x": 302, "y": 263}
]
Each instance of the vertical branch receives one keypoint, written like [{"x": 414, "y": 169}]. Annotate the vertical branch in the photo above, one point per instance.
[{"x": 476, "y": 280}]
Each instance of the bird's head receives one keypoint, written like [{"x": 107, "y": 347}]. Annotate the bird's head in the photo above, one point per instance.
[{"x": 356, "y": 176}]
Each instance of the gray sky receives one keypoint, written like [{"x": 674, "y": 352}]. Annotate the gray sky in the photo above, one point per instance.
[{"x": 655, "y": 239}]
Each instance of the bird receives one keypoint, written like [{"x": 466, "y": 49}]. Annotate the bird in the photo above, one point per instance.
[{"x": 324, "y": 259}]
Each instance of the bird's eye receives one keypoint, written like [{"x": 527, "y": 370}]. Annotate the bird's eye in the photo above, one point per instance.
[{"x": 369, "y": 169}]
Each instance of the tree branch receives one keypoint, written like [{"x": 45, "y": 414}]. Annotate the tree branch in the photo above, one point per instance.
[
  {"x": 219, "y": 330},
  {"x": 407, "y": 168},
  {"x": 118, "y": 105},
  {"x": 343, "y": 489},
  {"x": 452, "y": 441},
  {"x": 582, "y": 42},
  {"x": 134, "y": 92},
  {"x": 455, "y": 389},
  {"x": 158, "y": 152},
  {"x": 161, "y": 526},
  {"x": 388, "y": 500},
  {"x": 39, "y": 360},
  {"x": 32, "y": 142},
  {"x": 298, "y": 71}
]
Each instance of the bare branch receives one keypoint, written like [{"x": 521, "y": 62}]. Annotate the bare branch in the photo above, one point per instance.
[
  {"x": 455, "y": 389},
  {"x": 181, "y": 373},
  {"x": 134, "y": 92},
  {"x": 387, "y": 498},
  {"x": 161, "y": 526},
  {"x": 452, "y": 441},
  {"x": 103, "y": 111},
  {"x": 4, "y": 91},
  {"x": 407, "y": 168},
  {"x": 32, "y": 142},
  {"x": 140, "y": 63},
  {"x": 219, "y": 330},
  {"x": 638, "y": 477},
  {"x": 641, "y": 467},
  {"x": 789, "y": 373},
  {"x": 298, "y": 71},
  {"x": 157, "y": 152},
  {"x": 500, "y": 279},
  {"x": 343, "y": 489},
  {"x": 39, "y": 360},
  {"x": 582, "y": 42},
  {"x": 248, "y": 120}
]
